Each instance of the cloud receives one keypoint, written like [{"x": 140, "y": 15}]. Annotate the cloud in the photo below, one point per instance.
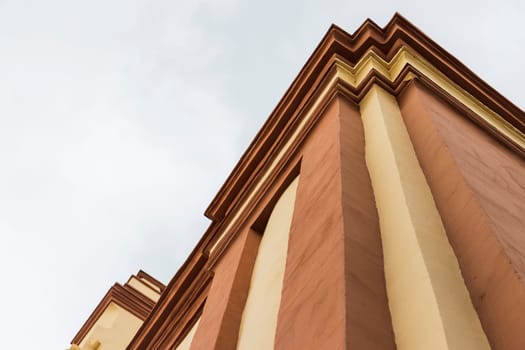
[{"x": 111, "y": 129}]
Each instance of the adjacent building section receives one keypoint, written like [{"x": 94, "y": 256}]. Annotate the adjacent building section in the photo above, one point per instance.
[{"x": 119, "y": 315}]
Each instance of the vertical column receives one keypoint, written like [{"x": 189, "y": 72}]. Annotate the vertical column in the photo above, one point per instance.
[
  {"x": 479, "y": 188},
  {"x": 429, "y": 303},
  {"x": 221, "y": 317},
  {"x": 312, "y": 311},
  {"x": 333, "y": 292}
]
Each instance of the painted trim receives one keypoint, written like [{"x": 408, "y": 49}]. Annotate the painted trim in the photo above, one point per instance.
[
  {"x": 429, "y": 302},
  {"x": 391, "y": 70},
  {"x": 153, "y": 281},
  {"x": 179, "y": 305}
]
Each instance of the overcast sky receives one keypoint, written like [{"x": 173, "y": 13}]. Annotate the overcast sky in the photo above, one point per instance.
[{"x": 120, "y": 119}]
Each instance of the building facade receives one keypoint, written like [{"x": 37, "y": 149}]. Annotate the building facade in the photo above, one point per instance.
[{"x": 381, "y": 206}]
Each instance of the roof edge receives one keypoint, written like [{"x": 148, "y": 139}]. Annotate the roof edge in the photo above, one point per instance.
[{"x": 351, "y": 47}]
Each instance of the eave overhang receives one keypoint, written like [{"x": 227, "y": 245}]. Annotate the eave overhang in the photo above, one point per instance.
[{"x": 366, "y": 55}]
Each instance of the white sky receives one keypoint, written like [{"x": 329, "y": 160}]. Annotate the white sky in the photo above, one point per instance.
[{"x": 119, "y": 121}]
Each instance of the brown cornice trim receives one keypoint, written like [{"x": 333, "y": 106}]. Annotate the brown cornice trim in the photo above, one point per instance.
[
  {"x": 176, "y": 295},
  {"x": 145, "y": 284},
  {"x": 133, "y": 301},
  {"x": 124, "y": 296},
  {"x": 151, "y": 279},
  {"x": 385, "y": 42},
  {"x": 182, "y": 317},
  {"x": 398, "y": 32}
]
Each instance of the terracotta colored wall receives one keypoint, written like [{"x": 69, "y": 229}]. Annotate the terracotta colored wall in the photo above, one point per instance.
[
  {"x": 219, "y": 323},
  {"x": 479, "y": 190},
  {"x": 312, "y": 312},
  {"x": 326, "y": 300}
]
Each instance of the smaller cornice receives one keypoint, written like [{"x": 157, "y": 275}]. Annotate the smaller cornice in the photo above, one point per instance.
[
  {"x": 143, "y": 275},
  {"x": 124, "y": 296},
  {"x": 181, "y": 299}
]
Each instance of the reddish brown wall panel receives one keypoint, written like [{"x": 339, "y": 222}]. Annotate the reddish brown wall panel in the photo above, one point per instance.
[
  {"x": 220, "y": 320},
  {"x": 312, "y": 311},
  {"x": 476, "y": 185},
  {"x": 333, "y": 294}
]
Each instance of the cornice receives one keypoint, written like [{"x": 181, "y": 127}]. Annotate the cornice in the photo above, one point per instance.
[
  {"x": 144, "y": 275},
  {"x": 405, "y": 57},
  {"x": 185, "y": 290},
  {"x": 369, "y": 40}
]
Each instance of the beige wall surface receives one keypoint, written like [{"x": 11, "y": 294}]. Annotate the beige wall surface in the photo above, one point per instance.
[
  {"x": 429, "y": 302},
  {"x": 259, "y": 319},
  {"x": 113, "y": 330}
]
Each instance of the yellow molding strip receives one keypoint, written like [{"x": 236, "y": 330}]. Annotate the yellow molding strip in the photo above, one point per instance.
[
  {"x": 404, "y": 56},
  {"x": 428, "y": 300},
  {"x": 355, "y": 76}
]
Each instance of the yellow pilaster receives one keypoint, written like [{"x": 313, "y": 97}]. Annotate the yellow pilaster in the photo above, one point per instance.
[
  {"x": 428, "y": 300},
  {"x": 259, "y": 318}
]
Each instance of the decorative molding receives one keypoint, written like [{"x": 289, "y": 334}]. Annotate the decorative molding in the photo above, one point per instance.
[
  {"x": 183, "y": 297},
  {"x": 385, "y": 43},
  {"x": 143, "y": 275}
]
